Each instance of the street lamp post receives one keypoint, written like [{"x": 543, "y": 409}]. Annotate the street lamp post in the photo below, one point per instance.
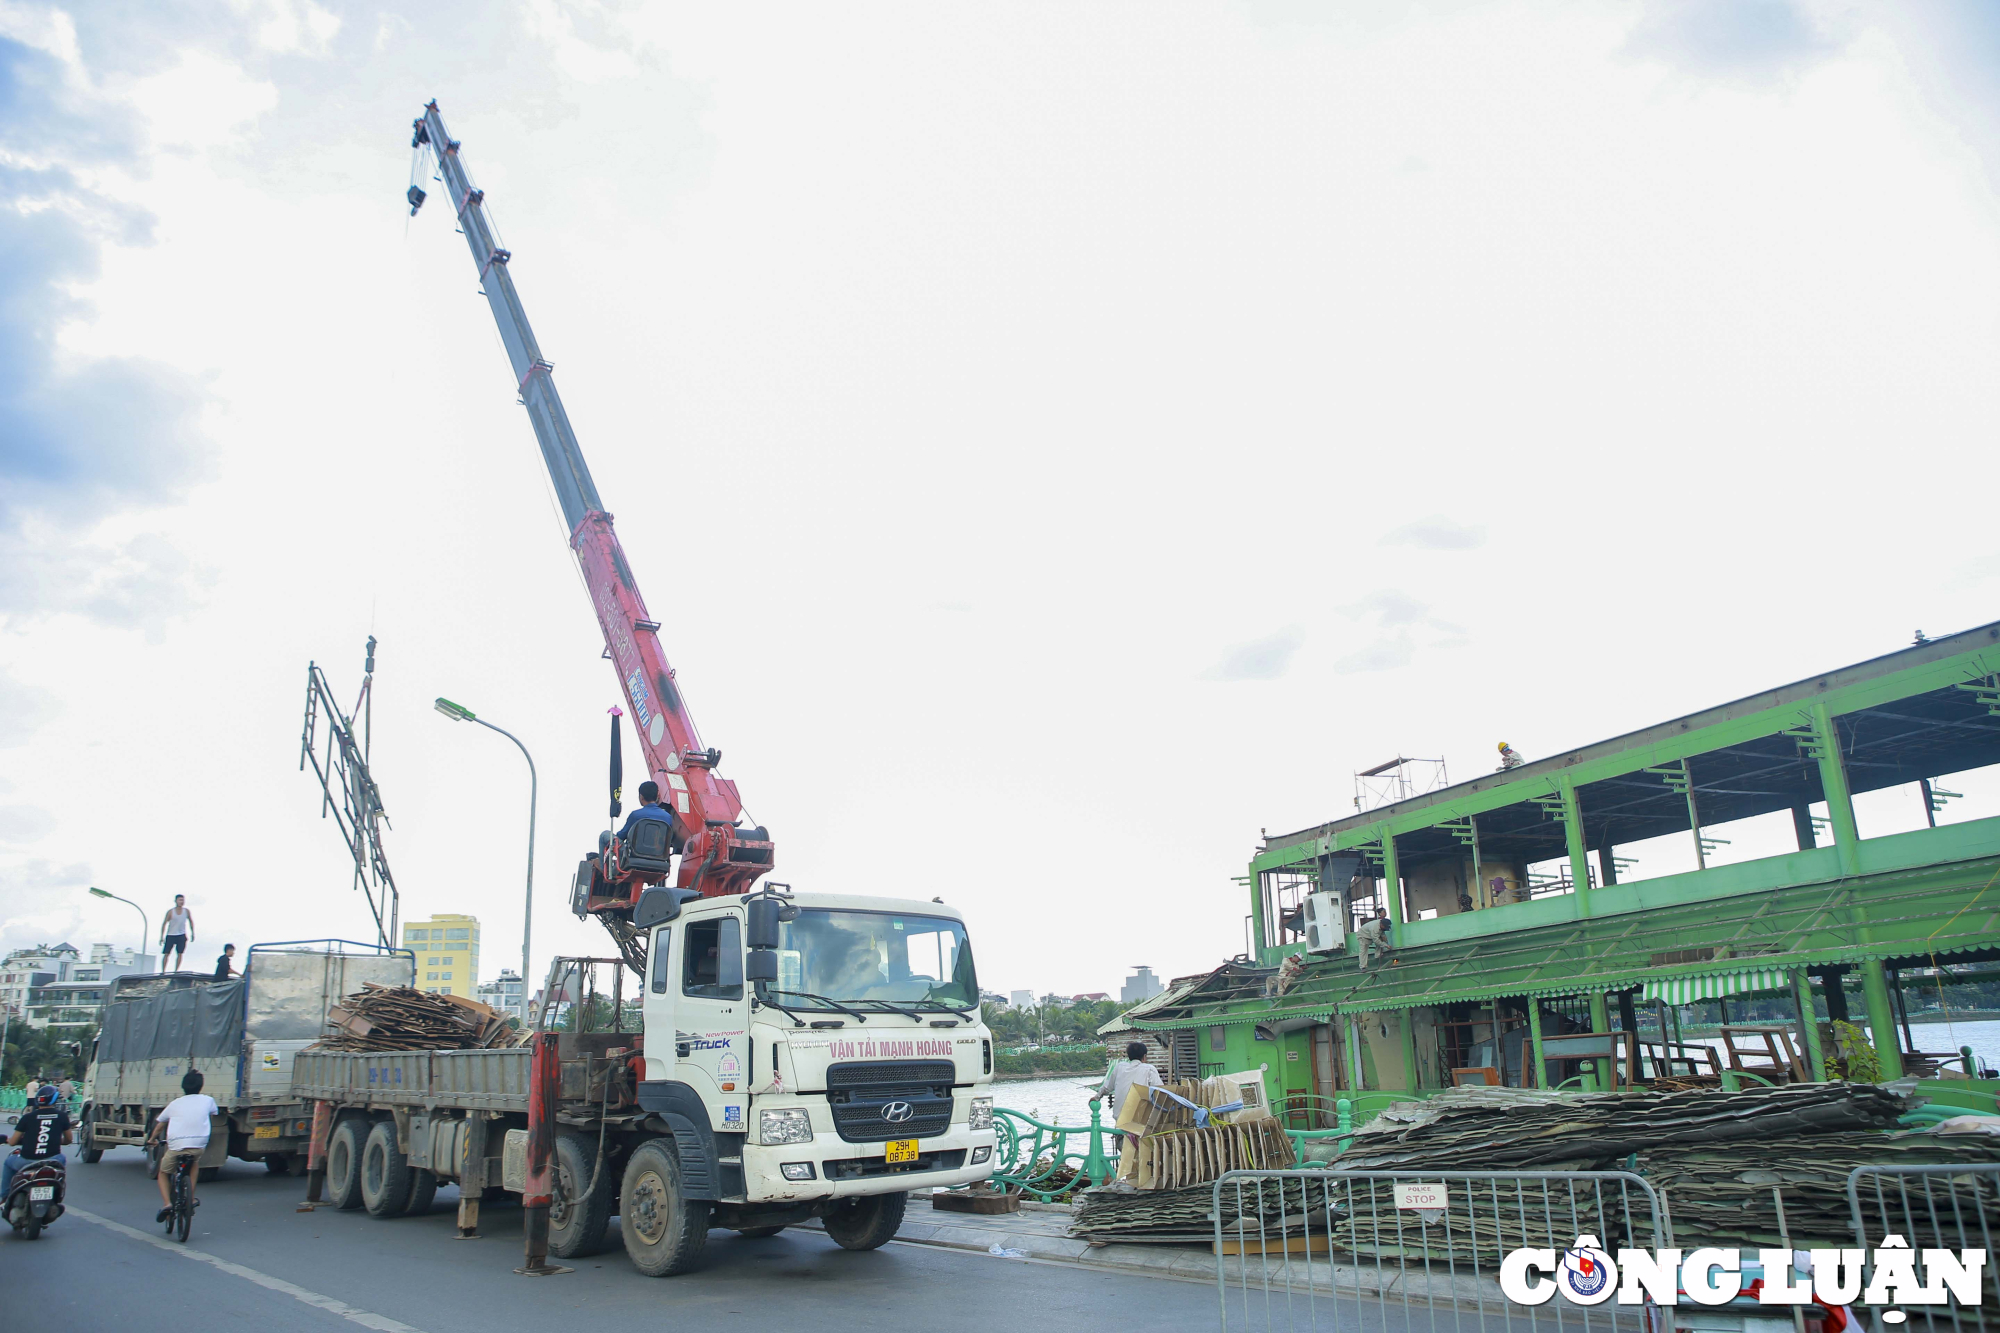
[
  {"x": 460, "y": 713},
  {"x": 145, "y": 922}
]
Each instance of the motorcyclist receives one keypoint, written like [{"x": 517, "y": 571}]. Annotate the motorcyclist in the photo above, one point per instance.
[{"x": 38, "y": 1135}]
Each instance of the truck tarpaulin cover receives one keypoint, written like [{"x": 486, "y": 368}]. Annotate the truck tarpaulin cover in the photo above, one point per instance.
[{"x": 202, "y": 1022}]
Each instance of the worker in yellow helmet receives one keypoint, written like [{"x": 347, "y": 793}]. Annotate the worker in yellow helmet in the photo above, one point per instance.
[{"x": 1509, "y": 758}]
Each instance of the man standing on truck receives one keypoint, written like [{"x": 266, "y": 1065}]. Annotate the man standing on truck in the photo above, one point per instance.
[
  {"x": 176, "y": 931},
  {"x": 184, "y": 1121}
]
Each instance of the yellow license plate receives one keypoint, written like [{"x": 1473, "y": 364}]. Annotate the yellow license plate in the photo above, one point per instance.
[
  {"x": 265, "y": 1132},
  {"x": 902, "y": 1150}
]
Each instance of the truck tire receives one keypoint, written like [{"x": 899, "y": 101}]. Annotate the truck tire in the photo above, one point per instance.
[
  {"x": 343, "y": 1162},
  {"x": 87, "y": 1136},
  {"x": 577, "y": 1222},
  {"x": 423, "y": 1192},
  {"x": 757, "y": 1233},
  {"x": 278, "y": 1163},
  {"x": 385, "y": 1173},
  {"x": 664, "y": 1230},
  {"x": 867, "y": 1223}
]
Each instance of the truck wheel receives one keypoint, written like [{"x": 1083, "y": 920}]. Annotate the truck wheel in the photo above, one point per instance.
[
  {"x": 577, "y": 1221},
  {"x": 205, "y": 1174},
  {"x": 664, "y": 1230},
  {"x": 279, "y": 1163},
  {"x": 343, "y": 1162},
  {"x": 91, "y": 1153},
  {"x": 423, "y": 1191},
  {"x": 385, "y": 1173},
  {"x": 868, "y": 1223},
  {"x": 757, "y": 1233}
]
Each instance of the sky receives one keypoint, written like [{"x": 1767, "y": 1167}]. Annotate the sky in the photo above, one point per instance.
[{"x": 1061, "y": 442}]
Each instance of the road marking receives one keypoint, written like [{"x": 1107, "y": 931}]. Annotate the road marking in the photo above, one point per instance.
[{"x": 365, "y": 1318}]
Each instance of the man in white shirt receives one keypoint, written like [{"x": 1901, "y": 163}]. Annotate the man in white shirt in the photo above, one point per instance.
[
  {"x": 1120, "y": 1078},
  {"x": 176, "y": 932},
  {"x": 184, "y": 1121}
]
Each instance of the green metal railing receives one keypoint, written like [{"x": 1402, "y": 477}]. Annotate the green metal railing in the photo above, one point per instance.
[
  {"x": 1044, "y": 1161},
  {"x": 16, "y": 1099}
]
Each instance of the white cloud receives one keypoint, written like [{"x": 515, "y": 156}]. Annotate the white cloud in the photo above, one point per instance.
[
  {"x": 203, "y": 102},
  {"x": 1438, "y": 533},
  {"x": 1267, "y": 658}
]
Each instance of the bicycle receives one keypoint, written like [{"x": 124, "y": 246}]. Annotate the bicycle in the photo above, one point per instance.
[{"x": 180, "y": 1188}]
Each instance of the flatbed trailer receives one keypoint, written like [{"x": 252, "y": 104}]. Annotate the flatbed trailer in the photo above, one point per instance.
[
  {"x": 242, "y": 1034},
  {"x": 667, "y": 1117}
]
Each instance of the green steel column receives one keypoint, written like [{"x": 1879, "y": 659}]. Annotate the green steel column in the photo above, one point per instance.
[
  {"x": 1839, "y": 798},
  {"x": 1579, "y": 863},
  {"x": 1257, "y": 913},
  {"x": 1809, "y": 1021},
  {"x": 1410, "y": 1051},
  {"x": 1535, "y": 1040},
  {"x": 1881, "y": 1017},
  {"x": 1603, "y": 1073},
  {"x": 1392, "y": 889}
]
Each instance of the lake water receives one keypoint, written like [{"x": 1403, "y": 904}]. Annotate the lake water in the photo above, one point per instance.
[{"x": 1066, "y": 1100}]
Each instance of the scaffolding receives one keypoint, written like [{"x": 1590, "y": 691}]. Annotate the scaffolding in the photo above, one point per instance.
[
  {"x": 341, "y": 764},
  {"x": 1398, "y": 780}
]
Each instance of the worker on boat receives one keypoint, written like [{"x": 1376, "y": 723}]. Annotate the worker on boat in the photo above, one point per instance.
[{"x": 1374, "y": 932}]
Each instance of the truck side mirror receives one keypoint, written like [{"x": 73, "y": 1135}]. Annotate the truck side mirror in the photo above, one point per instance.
[
  {"x": 656, "y": 906},
  {"x": 761, "y": 965},
  {"x": 764, "y": 916}
]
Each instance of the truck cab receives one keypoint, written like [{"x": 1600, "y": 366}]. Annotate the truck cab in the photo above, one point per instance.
[{"x": 829, "y": 1046}]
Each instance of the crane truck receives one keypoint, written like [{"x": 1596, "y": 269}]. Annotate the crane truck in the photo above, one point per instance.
[{"x": 778, "y": 1056}]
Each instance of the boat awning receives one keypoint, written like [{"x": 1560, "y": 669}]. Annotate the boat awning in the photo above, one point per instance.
[{"x": 1686, "y": 990}]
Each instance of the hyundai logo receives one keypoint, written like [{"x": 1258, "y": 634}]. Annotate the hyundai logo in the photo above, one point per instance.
[{"x": 897, "y": 1112}]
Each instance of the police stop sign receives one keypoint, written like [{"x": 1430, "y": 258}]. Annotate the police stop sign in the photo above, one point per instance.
[{"x": 1413, "y": 1195}]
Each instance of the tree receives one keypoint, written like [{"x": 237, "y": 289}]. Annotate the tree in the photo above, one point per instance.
[{"x": 32, "y": 1052}]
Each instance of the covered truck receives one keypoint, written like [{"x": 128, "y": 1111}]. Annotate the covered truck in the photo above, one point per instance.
[{"x": 241, "y": 1034}]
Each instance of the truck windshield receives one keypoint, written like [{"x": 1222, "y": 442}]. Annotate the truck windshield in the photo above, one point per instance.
[{"x": 888, "y": 957}]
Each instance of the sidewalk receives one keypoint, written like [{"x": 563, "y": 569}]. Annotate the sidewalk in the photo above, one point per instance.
[{"x": 1040, "y": 1231}]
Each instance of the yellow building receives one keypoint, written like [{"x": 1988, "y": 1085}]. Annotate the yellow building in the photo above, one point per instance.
[{"x": 447, "y": 950}]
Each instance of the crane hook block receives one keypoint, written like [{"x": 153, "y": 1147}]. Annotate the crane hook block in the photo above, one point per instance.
[{"x": 416, "y": 198}]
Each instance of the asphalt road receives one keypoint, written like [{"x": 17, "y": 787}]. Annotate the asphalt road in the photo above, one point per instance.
[{"x": 254, "y": 1262}]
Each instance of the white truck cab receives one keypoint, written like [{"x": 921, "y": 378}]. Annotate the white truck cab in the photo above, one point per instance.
[{"x": 830, "y": 1045}]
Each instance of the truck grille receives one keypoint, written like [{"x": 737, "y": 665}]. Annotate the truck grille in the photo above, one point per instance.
[
  {"x": 873, "y": 1101},
  {"x": 858, "y": 1168}
]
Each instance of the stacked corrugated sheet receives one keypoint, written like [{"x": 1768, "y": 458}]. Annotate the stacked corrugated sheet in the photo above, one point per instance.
[
  {"x": 1723, "y": 1195},
  {"x": 1597, "y": 1132},
  {"x": 1183, "y": 1214},
  {"x": 402, "y": 1018},
  {"x": 1182, "y": 1157}
]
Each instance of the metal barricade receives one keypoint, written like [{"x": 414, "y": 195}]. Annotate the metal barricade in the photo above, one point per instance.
[
  {"x": 1349, "y": 1250},
  {"x": 1954, "y": 1207}
]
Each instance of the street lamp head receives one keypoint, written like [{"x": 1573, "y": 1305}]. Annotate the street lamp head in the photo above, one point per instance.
[
  {"x": 456, "y": 712},
  {"x": 98, "y": 893}
]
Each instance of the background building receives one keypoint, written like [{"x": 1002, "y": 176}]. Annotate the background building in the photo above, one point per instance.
[
  {"x": 504, "y": 994},
  {"x": 49, "y": 985},
  {"x": 1141, "y": 985},
  {"x": 1022, "y": 999},
  {"x": 447, "y": 950}
]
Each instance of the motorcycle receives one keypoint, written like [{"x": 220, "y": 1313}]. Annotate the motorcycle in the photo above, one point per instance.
[{"x": 35, "y": 1198}]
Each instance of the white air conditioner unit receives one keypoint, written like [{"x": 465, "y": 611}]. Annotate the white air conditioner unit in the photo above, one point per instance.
[{"x": 1325, "y": 931}]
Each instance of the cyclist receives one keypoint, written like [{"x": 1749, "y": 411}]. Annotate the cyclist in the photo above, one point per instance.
[{"x": 184, "y": 1121}]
